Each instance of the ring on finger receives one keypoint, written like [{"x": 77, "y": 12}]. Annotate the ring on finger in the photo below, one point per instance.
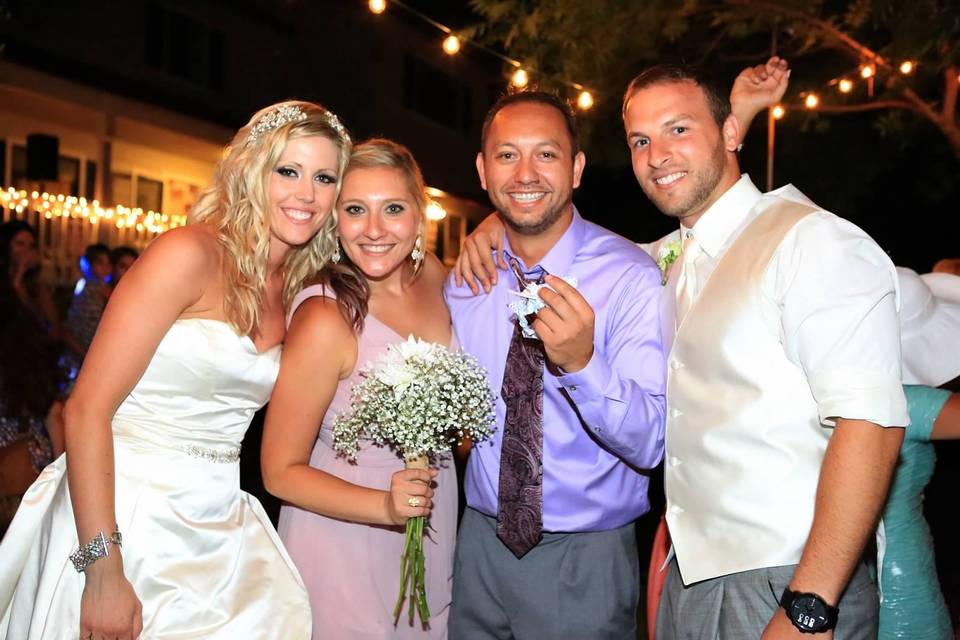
[{"x": 413, "y": 501}]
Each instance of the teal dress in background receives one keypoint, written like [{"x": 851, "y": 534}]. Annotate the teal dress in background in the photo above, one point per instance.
[{"x": 913, "y": 606}]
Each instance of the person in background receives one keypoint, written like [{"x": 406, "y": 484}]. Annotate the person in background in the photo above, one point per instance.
[
  {"x": 122, "y": 258},
  {"x": 86, "y": 308},
  {"x": 20, "y": 268},
  {"x": 913, "y": 606},
  {"x": 30, "y": 432}
]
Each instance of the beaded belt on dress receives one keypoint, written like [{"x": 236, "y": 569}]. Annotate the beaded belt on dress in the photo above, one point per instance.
[
  {"x": 211, "y": 455},
  {"x": 146, "y": 436}
]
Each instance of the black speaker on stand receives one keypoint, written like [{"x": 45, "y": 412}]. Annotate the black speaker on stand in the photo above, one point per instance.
[{"x": 43, "y": 157}]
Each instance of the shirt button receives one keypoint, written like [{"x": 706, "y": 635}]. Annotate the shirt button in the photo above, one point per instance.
[
  {"x": 572, "y": 387},
  {"x": 675, "y": 413}
]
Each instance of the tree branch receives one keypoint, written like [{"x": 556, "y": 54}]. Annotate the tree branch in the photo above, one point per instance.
[
  {"x": 824, "y": 26},
  {"x": 950, "y": 87}
]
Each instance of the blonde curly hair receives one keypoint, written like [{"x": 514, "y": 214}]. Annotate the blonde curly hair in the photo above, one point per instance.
[{"x": 237, "y": 206}]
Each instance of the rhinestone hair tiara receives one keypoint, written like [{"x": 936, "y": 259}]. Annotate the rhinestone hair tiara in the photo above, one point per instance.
[{"x": 285, "y": 114}]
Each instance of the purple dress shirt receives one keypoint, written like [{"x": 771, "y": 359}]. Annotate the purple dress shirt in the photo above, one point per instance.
[{"x": 601, "y": 424}]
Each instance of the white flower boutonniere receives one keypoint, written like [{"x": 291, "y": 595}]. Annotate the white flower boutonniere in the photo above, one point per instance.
[
  {"x": 529, "y": 303},
  {"x": 667, "y": 255}
]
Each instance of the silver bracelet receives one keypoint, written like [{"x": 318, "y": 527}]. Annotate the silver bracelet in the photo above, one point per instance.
[{"x": 94, "y": 550}]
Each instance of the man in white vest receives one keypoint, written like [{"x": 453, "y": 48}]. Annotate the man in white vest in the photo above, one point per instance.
[{"x": 783, "y": 381}]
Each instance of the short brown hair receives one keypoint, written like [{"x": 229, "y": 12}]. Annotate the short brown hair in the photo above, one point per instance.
[
  {"x": 718, "y": 100},
  {"x": 537, "y": 97}
]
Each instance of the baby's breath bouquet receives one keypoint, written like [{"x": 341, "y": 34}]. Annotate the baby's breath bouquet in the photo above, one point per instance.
[{"x": 420, "y": 399}]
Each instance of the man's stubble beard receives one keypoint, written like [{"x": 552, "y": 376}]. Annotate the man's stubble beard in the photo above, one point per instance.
[{"x": 550, "y": 217}]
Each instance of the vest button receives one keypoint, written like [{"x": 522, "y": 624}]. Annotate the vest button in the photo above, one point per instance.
[
  {"x": 675, "y": 461},
  {"x": 675, "y": 509},
  {"x": 675, "y": 413},
  {"x": 675, "y": 364}
]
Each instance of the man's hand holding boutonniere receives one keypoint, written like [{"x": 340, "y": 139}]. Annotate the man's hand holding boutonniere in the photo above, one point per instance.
[{"x": 565, "y": 326}]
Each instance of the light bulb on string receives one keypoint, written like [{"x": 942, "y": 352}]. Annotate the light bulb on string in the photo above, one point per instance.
[
  {"x": 451, "y": 45},
  {"x": 585, "y": 100},
  {"x": 377, "y": 6},
  {"x": 778, "y": 112},
  {"x": 867, "y": 71},
  {"x": 811, "y": 101},
  {"x": 907, "y": 67},
  {"x": 520, "y": 79},
  {"x": 845, "y": 86}
]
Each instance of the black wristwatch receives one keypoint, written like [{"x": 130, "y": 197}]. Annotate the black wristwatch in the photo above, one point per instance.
[{"x": 808, "y": 612}]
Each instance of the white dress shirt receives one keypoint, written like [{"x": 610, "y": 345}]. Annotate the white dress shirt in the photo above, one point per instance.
[{"x": 834, "y": 310}]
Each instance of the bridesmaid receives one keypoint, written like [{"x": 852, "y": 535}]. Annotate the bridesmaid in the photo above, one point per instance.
[{"x": 343, "y": 522}]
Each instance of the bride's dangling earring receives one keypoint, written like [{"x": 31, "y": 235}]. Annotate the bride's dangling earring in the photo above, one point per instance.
[{"x": 335, "y": 258}]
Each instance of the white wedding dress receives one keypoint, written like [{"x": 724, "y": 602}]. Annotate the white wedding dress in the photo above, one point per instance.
[{"x": 200, "y": 553}]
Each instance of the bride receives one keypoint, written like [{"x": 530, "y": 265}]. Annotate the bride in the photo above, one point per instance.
[{"x": 165, "y": 544}]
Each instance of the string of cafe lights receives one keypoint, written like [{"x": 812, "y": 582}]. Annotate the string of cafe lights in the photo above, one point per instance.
[
  {"x": 867, "y": 72},
  {"x": 453, "y": 44},
  {"x": 52, "y": 206}
]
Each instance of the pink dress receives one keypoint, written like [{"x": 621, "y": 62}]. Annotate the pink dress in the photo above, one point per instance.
[{"x": 352, "y": 570}]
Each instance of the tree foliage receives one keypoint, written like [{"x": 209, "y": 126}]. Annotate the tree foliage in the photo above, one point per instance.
[{"x": 603, "y": 43}]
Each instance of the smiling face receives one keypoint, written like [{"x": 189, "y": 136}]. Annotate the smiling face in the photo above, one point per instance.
[
  {"x": 302, "y": 188},
  {"x": 683, "y": 161},
  {"x": 528, "y": 167},
  {"x": 378, "y": 220}
]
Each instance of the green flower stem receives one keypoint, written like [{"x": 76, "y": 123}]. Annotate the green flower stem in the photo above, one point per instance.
[{"x": 413, "y": 563}]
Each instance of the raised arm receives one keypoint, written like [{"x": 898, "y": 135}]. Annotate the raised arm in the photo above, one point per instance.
[
  {"x": 758, "y": 88},
  {"x": 319, "y": 351},
  {"x": 165, "y": 282}
]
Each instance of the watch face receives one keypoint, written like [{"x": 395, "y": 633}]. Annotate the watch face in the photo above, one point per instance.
[{"x": 809, "y": 613}]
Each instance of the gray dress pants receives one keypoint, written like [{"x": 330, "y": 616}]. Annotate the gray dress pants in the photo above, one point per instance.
[
  {"x": 571, "y": 586},
  {"x": 739, "y": 606}
]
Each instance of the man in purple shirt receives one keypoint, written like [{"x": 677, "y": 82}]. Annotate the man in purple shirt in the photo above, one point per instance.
[{"x": 546, "y": 548}]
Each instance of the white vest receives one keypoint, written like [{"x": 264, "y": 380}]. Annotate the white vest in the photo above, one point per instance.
[{"x": 744, "y": 443}]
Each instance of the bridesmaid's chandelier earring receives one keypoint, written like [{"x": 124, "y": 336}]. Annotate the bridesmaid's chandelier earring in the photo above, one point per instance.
[
  {"x": 417, "y": 254},
  {"x": 335, "y": 258}
]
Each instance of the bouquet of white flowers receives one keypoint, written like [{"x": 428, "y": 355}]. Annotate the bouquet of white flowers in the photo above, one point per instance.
[{"x": 420, "y": 399}]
